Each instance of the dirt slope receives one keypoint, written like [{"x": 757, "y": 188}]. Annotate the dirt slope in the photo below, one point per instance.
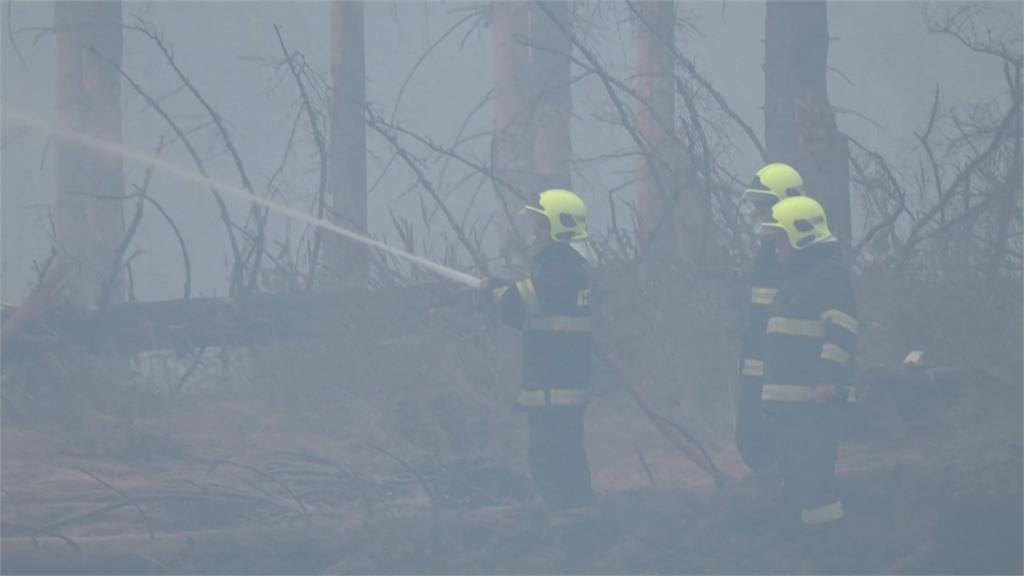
[{"x": 401, "y": 452}]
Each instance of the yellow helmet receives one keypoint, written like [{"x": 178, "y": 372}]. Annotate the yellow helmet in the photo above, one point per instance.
[
  {"x": 776, "y": 179},
  {"x": 566, "y": 213},
  {"x": 803, "y": 220}
]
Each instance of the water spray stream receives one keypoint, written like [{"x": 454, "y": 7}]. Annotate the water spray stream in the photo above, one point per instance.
[
  {"x": 188, "y": 175},
  {"x": 698, "y": 455}
]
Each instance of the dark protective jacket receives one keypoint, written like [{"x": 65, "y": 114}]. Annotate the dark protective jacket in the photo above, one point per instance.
[
  {"x": 552, "y": 307},
  {"x": 755, "y": 445},
  {"x": 764, "y": 280},
  {"x": 811, "y": 332}
]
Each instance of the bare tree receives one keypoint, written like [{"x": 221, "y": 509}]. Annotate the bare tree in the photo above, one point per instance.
[
  {"x": 655, "y": 34},
  {"x": 800, "y": 124},
  {"x": 552, "y": 66},
  {"x": 957, "y": 216},
  {"x": 660, "y": 193},
  {"x": 347, "y": 172},
  {"x": 89, "y": 231},
  {"x": 511, "y": 149}
]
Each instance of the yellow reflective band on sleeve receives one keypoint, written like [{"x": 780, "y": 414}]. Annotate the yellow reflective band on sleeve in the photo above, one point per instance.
[
  {"x": 823, "y": 514},
  {"x": 529, "y": 297},
  {"x": 763, "y": 296},
  {"x": 841, "y": 319},
  {"x": 795, "y": 327},
  {"x": 499, "y": 293},
  {"x": 834, "y": 353},
  {"x": 559, "y": 323},
  {"x": 796, "y": 393},
  {"x": 787, "y": 393},
  {"x": 552, "y": 397},
  {"x": 753, "y": 367}
]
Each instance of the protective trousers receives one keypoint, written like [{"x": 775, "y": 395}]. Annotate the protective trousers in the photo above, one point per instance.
[
  {"x": 753, "y": 438},
  {"x": 557, "y": 457},
  {"x": 808, "y": 435}
]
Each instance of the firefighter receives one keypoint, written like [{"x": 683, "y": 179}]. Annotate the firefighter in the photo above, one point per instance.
[
  {"x": 552, "y": 307},
  {"x": 808, "y": 351},
  {"x": 772, "y": 183}
]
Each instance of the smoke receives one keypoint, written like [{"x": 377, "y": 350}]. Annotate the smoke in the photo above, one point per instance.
[{"x": 147, "y": 159}]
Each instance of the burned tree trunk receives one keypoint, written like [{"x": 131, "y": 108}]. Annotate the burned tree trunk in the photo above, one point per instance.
[
  {"x": 671, "y": 211},
  {"x": 512, "y": 147},
  {"x": 347, "y": 171},
  {"x": 89, "y": 229},
  {"x": 800, "y": 125},
  {"x": 655, "y": 30},
  {"x": 532, "y": 146},
  {"x": 550, "y": 55}
]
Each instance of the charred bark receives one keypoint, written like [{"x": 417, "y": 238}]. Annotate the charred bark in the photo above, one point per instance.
[
  {"x": 89, "y": 101},
  {"x": 800, "y": 124},
  {"x": 672, "y": 210},
  {"x": 348, "y": 140},
  {"x": 512, "y": 147},
  {"x": 550, "y": 56}
]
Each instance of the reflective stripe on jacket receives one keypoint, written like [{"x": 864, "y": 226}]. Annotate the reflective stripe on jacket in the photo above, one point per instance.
[
  {"x": 811, "y": 331},
  {"x": 552, "y": 307},
  {"x": 764, "y": 280}
]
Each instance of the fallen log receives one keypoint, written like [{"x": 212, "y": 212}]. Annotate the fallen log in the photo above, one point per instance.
[{"x": 183, "y": 325}]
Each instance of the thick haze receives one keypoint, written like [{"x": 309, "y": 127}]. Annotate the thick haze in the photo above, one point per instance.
[{"x": 886, "y": 68}]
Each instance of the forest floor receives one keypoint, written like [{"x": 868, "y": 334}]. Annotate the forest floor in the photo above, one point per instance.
[{"x": 403, "y": 454}]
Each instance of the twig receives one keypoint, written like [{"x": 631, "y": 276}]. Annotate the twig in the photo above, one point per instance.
[
  {"x": 415, "y": 473},
  {"x": 423, "y": 57},
  {"x": 225, "y": 216},
  {"x": 647, "y": 469},
  {"x": 186, "y": 261},
  {"x": 915, "y": 236},
  {"x": 164, "y": 497},
  {"x": 260, "y": 215},
  {"x": 376, "y": 124},
  {"x": 610, "y": 84},
  {"x": 196, "y": 361},
  {"x": 890, "y": 220},
  {"x": 33, "y": 531},
  {"x": 53, "y": 277},
  {"x": 108, "y": 285},
  {"x": 923, "y": 138},
  {"x": 321, "y": 147},
  {"x": 13, "y": 37},
  {"x": 258, "y": 472},
  {"x": 691, "y": 69},
  {"x": 716, "y": 471},
  {"x": 115, "y": 490},
  {"x": 167, "y": 217}
]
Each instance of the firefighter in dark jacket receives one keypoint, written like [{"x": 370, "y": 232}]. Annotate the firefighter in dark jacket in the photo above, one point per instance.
[
  {"x": 552, "y": 307},
  {"x": 809, "y": 346},
  {"x": 771, "y": 184}
]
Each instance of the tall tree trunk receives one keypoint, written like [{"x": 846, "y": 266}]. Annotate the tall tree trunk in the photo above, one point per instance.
[
  {"x": 89, "y": 101},
  {"x": 512, "y": 146},
  {"x": 550, "y": 56},
  {"x": 347, "y": 171},
  {"x": 800, "y": 126},
  {"x": 671, "y": 215},
  {"x": 532, "y": 147}
]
